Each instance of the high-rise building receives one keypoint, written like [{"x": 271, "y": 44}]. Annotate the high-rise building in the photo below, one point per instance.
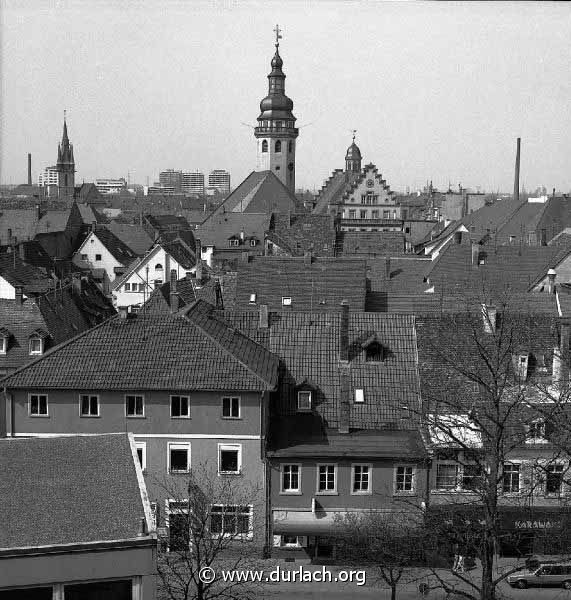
[
  {"x": 110, "y": 186},
  {"x": 48, "y": 177},
  {"x": 220, "y": 180},
  {"x": 276, "y": 131},
  {"x": 193, "y": 183},
  {"x": 171, "y": 178}
]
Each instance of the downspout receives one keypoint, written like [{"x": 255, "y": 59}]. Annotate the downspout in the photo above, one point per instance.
[
  {"x": 267, "y": 475},
  {"x": 8, "y": 413}
]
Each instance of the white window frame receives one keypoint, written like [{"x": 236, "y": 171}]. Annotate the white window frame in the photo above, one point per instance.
[
  {"x": 3, "y": 345},
  {"x": 30, "y": 413},
  {"x": 412, "y": 491},
  {"x": 290, "y": 492},
  {"x": 359, "y": 396},
  {"x": 179, "y": 446},
  {"x": 173, "y": 511},
  {"x": 231, "y": 416},
  {"x": 230, "y": 448},
  {"x": 520, "y": 478},
  {"x": 135, "y": 416},
  {"x": 89, "y": 415},
  {"x": 332, "y": 492},
  {"x": 252, "y": 298},
  {"x": 304, "y": 408},
  {"x": 143, "y": 447},
  {"x": 238, "y": 536},
  {"x": 369, "y": 489},
  {"x": 188, "y": 415},
  {"x": 286, "y": 300},
  {"x": 34, "y": 338}
]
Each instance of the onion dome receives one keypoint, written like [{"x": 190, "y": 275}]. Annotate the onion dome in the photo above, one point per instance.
[{"x": 353, "y": 152}]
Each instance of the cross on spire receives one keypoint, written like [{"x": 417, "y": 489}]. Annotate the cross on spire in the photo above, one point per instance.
[{"x": 278, "y": 33}]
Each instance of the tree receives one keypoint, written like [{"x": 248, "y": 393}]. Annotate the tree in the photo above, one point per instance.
[
  {"x": 210, "y": 529},
  {"x": 487, "y": 388}
]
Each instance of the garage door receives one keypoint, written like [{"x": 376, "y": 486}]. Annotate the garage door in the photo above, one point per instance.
[{"x": 102, "y": 590}]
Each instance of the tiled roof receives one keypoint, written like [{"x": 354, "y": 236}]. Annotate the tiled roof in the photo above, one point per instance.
[
  {"x": 556, "y": 216},
  {"x": 53, "y": 221},
  {"x": 506, "y": 267},
  {"x": 523, "y": 221},
  {"x": 133, "y": 236},
  {"x": 260, "y": 192},
  {"x": 319, "y": 285},
  {"x": 192, "y": 350},
  {"x": 371, "y": 243},
  {"x": 162, "y": 222},
  {"x": 298, "y": 233},
  {"x": 90, "y": 215},
  {"x": 32, "y": 253},
  {"x": 68, "y": 490},
  {"x": 180, "y": 251},
  {"x": 19, "y": 223},
  {"x": 188, "y": 291},
  {"x": 219, "y": 228},
  {"x": 18, "y": 273},
  {"x": 295, "y": 441},
  {"x": 308, "y": 348},
  {"x": 333, "y": 189},
  {"x": 118, "y": 249}
]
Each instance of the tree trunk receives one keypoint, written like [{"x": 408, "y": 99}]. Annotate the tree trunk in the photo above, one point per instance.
[{"x": 393, "y": 591}]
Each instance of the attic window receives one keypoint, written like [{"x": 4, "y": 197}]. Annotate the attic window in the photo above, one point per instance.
[
  {"x": 36, "y": 345},
  {"x": 233, "y": 242},
  {"x": 374, "y": 352},
  {"x": 3, "y": 345},
  {"x": 286, "y": 301},
  {"x": 359, "y": 396},
  {"x": 304, "y": 400},
  {"x": 520, "y": 364},
  {"x": 253, "y": 242},
  {"x": 252, "y": 298},
  {"x": 158, "y": 267},
  {"x": 538, "y": 431}
]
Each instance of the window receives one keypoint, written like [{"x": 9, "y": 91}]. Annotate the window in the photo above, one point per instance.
[
  {"x": 471, "y": 477},
  {"x": 291, "y": 481},
  {"x": 538, "y": 431},
  {"x": 135, "y": 406},
  {"x": 404, "y": 479},
  {"x": 141, "y": 448},
  {"x": 359, "y": 396},
  {"x": 230, "y": 520},
  {"x": 286, "y": 301},
  {"x": 510, "y": 478},
  {"x": 290, "y": 147},
  {"x": 386, "y": 214},
  {"x": 446, "y": 476},
  {"x": 234, "y": 242},
  {"x": 253, "y": 242},
  {"x": 326, "y": 479},
  {"x": 252, "y": 298},
  {"x": 375, "y": 214},
  {"x": 304, "y": 400},
  {"x": 98, "y": 257},
  {"x": 278, "y": 146},
  {"x": 180, "y": 407},
  {"x": 230, "y": 407},
  {"x": 88, "y": 405},
  {"x": 361, "y": 479},
  {"x": 363, "y": 214},
  {"x": 179, "y": 458},
  {"x": 352, "y": 214},
  {"x": 158, "y": 283},
  {"x": 141, "y": 287},
  {"x": 84, "y": 257},
  {"x": 3, "y": 344},
  {"x": 229, "y": 459},
  {"x": 158, "y": 267},
  {"x": 178, "y": 524},
  {"x": 128, "y": 287},
  {"x": 36, "y": 345},
  {"x": 264, "y": 145},
  {"x": 277, "y": 167},
  {"x": 374, "y": 352},
  {"x": 38, "y": 405},
  {"x": 553, "y": 480}
]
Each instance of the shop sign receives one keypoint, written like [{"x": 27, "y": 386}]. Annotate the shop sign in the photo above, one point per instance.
[{"x": 537, "y": 524}]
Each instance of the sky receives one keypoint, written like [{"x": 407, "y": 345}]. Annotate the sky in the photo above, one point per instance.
[{"x": 436, "y": 91}]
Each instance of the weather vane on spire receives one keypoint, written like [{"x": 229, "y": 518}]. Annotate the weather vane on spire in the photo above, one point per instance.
[
  {"x": 278, "y": 33},
  {"x": 354, "y": 134}
]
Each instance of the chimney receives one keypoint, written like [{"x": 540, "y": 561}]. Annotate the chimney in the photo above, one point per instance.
[
  {"x": 344, "y": 415},
  {"x": 516, "y": 175},
  {"x": 173, "y": 292},
  {"x": 242, "y": 235},
  {"x": 475, "y": 254},
  {"x": 307, "y": 258},
  {"x": 19, "y": 291},
  {"x": 263, "y": 321},
  {"x": 22, "y": 251},
  {"x": 344, "y": 332},
  {"x": 29, "y": 169},
  {"x": 123, "y": 312},
  {"x": 551, "y": 274},
  {"x": 76, "y": 283},
  {"x": 198, "y": 256},
  {"x": 94, "y": 226},
  {"x": 457, "y": 237},
  {"x": 38, "y": 212},
  {"x": 387, "y": 267}
]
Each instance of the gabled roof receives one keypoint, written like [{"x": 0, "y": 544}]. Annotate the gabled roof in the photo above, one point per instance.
[
  {"x": 333, "y": 189},
  {"x": 260, "y": 192},
  {"x": 18, "y": 273},
  {"x": 523, "y": 221},
  {"x": 308, "y": 344},
  {"x": 220, "y": 227},
  {"x": 87, "y": 488},
  {"x": 296, "y": 234},
  {"x": 371, "y": 243},
  {"x": 556, "y": 216},
  {"x": 192, "y": 350},
  {"x": 19, "y": 223},
  {"x": 133, "y": 236},
  {"x": 89, "y": 215},
  {"x": 167, "y": 222},
  {"x": 32, "y": 253},
  {"x": 119, "y": 250},
  {"x": 317, "y": 285},
  {"x": 187, "y": 291},
  {"x": 53, "y": 221}
]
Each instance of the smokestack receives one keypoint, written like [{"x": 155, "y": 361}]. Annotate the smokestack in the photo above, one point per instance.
[
  {"x": 173, "y": 292},
  {"x": 29, "y": 169},
  {"x": 263, "y": 322},
  {"x": 516, "y": 176},
  {"x": 551, "y": 274},
  {"x": 344, "y": 332},
  {"x": 198, "y": 253},
  {"x": 19, "y": 291}
]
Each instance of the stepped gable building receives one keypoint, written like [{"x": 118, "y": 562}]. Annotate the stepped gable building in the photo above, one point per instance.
[
  {"x": 276, "y": 131},
  {"x": 361, "y": 197}
]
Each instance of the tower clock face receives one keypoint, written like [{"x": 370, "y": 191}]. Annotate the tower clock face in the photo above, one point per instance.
[
  {"x": 290, "y": 166},
  {"x": 370, "y": 183}
]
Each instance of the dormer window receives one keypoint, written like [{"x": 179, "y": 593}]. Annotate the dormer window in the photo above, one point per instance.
[
  {"x": 252, "y": 298},
  {"x": 520, "y": 364},
  {"x": 37, "y": 342},
  {"x": 4, "y": 338},
  {"x": 253, "y": 242},
  {"x": 359, "y": 396},
  {"x": 374, "y": 350},
  {"x": 233, "y": 242},
  {"x": 304, "y": 400},
  {"x": 286, "y": 301},
  {"x": 538, "y": 431}
]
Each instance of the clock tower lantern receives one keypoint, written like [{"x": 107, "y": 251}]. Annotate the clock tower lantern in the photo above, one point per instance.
[{"x": 276, "y": 132}]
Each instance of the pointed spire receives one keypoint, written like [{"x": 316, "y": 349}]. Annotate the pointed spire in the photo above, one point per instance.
[{"x": 64, "y": 139}]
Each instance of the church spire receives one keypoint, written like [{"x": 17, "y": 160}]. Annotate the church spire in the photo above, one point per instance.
[{"x": 65, "y": 164}]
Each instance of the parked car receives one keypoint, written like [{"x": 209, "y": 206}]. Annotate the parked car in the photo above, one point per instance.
[{"x": 546, "y": 575}]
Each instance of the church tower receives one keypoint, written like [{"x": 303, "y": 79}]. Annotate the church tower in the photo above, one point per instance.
[
  {"x": 65, "y": 166},
  {"x": 353, "y": 157},
  {"x": 276, "y": 132}
]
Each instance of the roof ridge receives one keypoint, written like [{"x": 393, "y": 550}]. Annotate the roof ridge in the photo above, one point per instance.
[{"x": 211, "y": 309}]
